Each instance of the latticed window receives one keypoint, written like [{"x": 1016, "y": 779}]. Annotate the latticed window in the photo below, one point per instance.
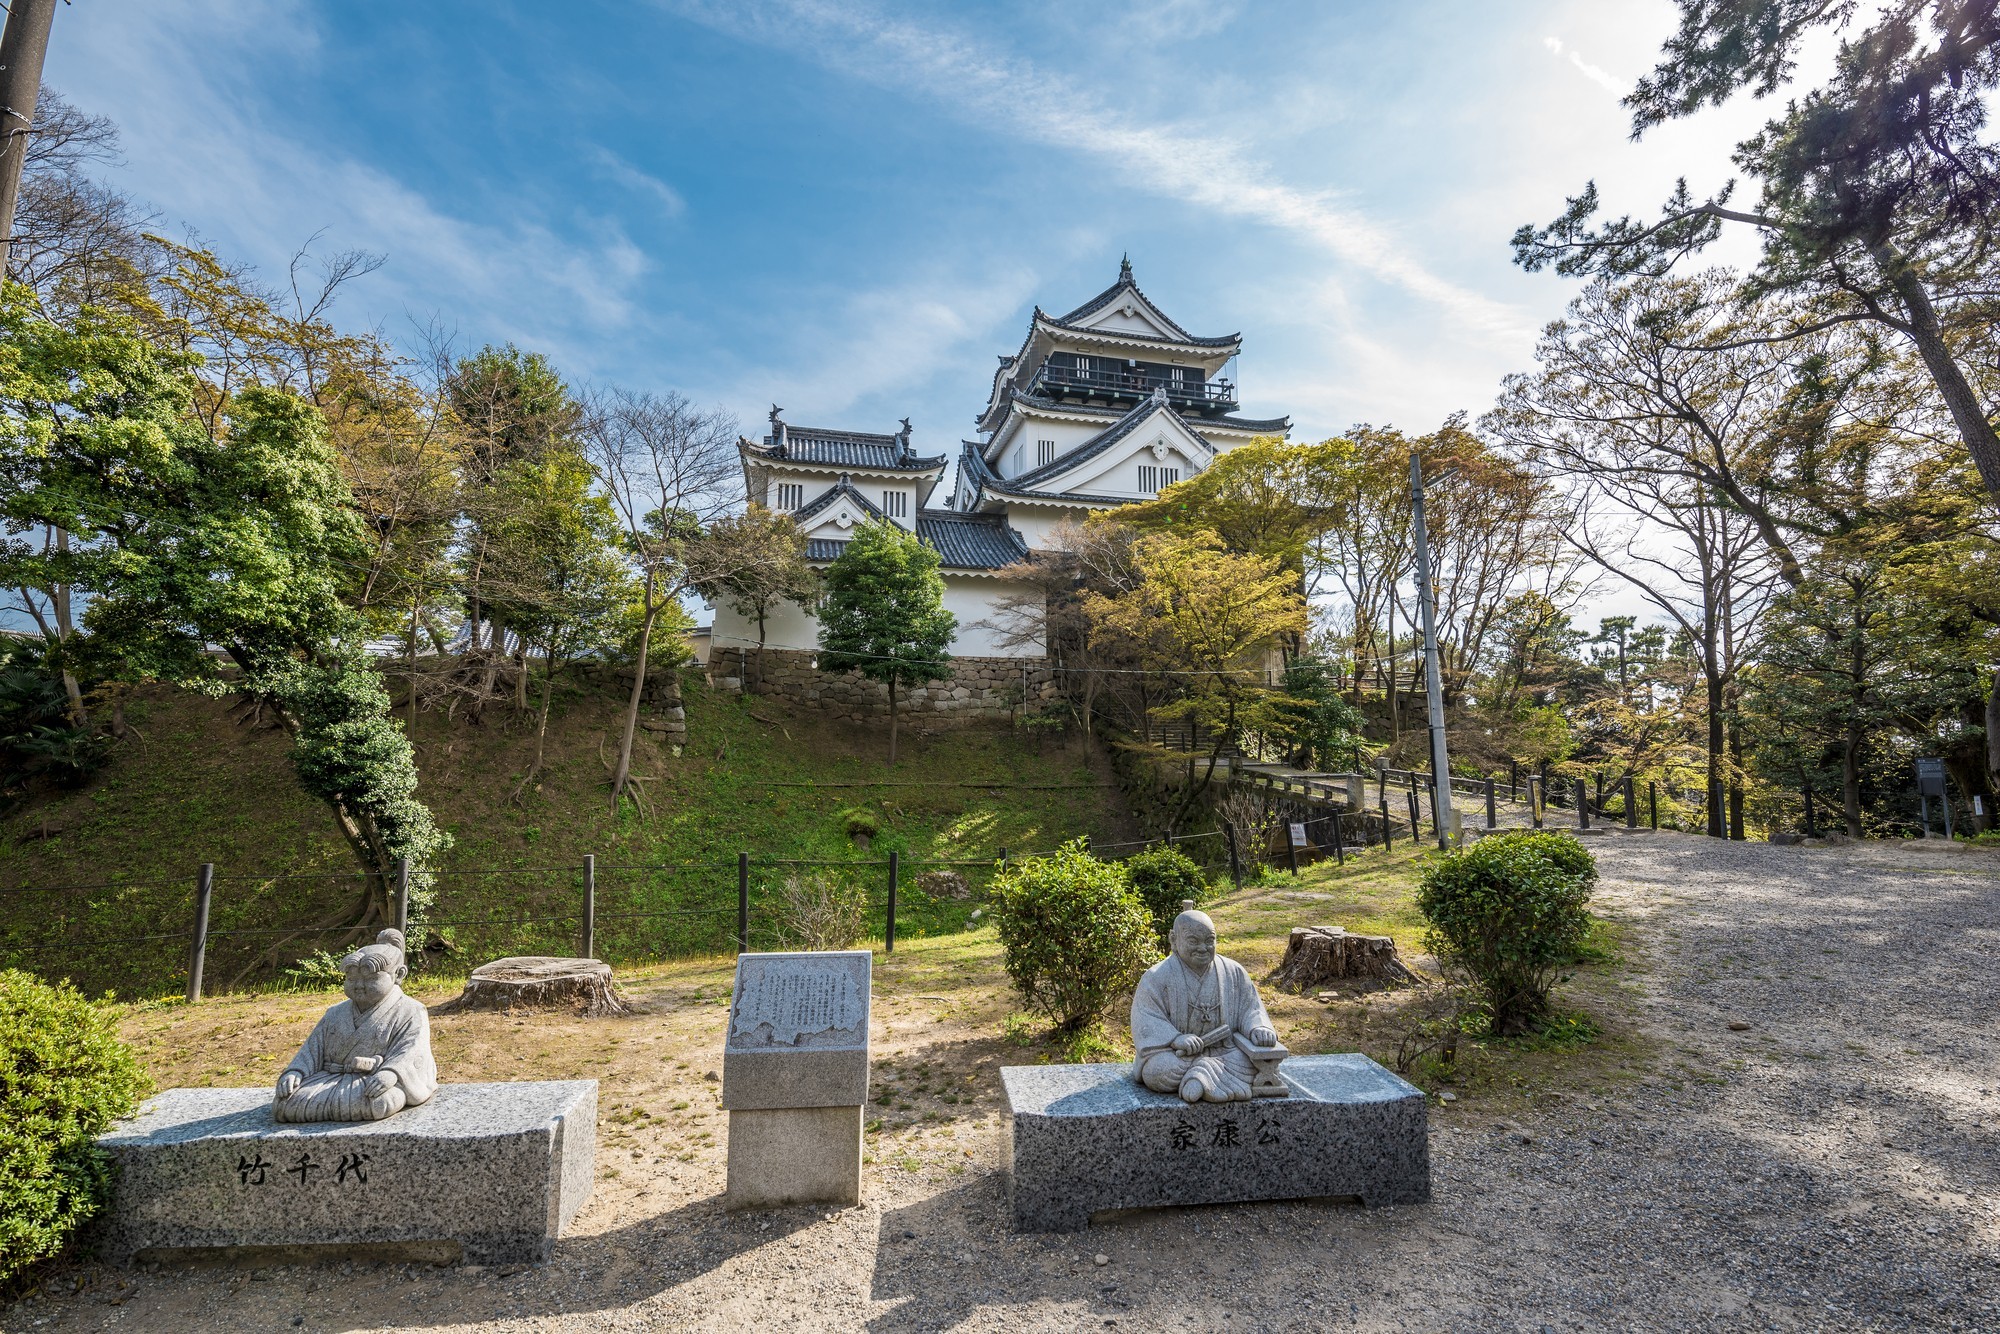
[
  {"x": 791, "y": 495},
  {"x": 1045, "y": 453},
  {"x": 896, "y": 504},
  {"x": 1152, "y": 477}
]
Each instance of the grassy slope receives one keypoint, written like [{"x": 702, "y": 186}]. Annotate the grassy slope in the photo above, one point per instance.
[{"x": 196, "y": 788}]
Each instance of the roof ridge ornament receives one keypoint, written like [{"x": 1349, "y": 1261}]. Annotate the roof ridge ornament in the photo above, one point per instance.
[
  {"x": 1125, "y": 267},
  {"x": 1159, "y": 393}
]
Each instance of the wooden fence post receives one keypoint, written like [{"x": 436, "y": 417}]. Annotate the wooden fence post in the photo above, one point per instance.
[
  {"x": 1535, "y": 795},
  {"x": 1631, "y": 805},
  {"x": 1416, "y": 813},
  {"x": 742, "y": 903},
  {"x": 589, "y": 905},
  {"x": 1653, "y": 802},
  {"x": 1513, "y": 780},
  {"x": 889, "y": 928},
  {"x": 204, "y": 884},
  {"x": 1492, "y": 816},
  {"x": 1581, "y": 793},
  {"x": 1388, "y": 834},
  {"x": 1339, "y": 842},
  {"x": 1235, "y": 863}
]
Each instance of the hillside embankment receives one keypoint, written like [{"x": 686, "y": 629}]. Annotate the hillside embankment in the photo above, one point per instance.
[{"x": 98, "y": 883}]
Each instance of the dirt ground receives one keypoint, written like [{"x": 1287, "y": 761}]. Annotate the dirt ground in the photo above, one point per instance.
[{"x": 1833, "y": 1165}]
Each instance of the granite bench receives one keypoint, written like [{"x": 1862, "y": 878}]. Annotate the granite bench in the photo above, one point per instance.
[
  {"x": 496, "y": 1169},
  {"x": 1088, "y": 1137}
]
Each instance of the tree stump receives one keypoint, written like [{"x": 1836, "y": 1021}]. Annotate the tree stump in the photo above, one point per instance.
[
  {"x": 537, "y": 982},
  {"x": 1318, "y": 954}
]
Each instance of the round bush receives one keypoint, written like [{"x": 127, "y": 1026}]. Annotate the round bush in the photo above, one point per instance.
[
  {"x": 1163, "y": 878},
  {"x": 64, "y": 1078},
  {"x": 1508, "y": 913},
  {"x": 1074, "y": 934}
]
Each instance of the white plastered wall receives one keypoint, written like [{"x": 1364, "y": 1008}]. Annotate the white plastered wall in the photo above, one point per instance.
[{"x": 970, "y": 598}]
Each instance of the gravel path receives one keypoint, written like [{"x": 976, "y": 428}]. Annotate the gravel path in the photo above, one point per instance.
[{"x": 1834, "y": 1165}]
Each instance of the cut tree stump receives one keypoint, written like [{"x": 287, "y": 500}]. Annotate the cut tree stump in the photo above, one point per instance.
[
  {"x": 537, "y": 982},
  {"x": 1317, "y": 954}
]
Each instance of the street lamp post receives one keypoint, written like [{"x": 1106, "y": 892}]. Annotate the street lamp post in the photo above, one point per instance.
[{"x": 1446, "y": 821}]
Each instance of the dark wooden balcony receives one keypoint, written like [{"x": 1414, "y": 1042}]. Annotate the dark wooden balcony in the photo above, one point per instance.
[{"x": 1206, "y": 396}]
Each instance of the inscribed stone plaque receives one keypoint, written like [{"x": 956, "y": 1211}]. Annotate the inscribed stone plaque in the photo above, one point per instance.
[{"x": 798, "y": 1031}]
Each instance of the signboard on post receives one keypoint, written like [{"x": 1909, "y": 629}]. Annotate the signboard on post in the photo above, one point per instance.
[
  {"x": 1298, "y": 834},
  {"x": 1930, "y": 777}
]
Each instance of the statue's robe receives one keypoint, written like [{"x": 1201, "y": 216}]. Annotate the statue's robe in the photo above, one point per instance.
[
  {"x": 1171, "y": 1000},
  {"x": 347, "y": 1048}
]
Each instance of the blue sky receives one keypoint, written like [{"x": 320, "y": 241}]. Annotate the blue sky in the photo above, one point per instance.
[{"x": 850, "y": 208}]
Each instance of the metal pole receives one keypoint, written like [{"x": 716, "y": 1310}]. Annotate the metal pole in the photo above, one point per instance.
[
  {"x": 1433, "y": 682},
  {"x": 889, "y": 928},
  {"x": 204, "y": 884},
  {"x": 1492, "y": 816},
  {"x": 1924, "y": 805},
  {"x": 742, "y": 902},
  {"x": 1235, "y": 862},
  {"x": 403, "y": 897},
  {"x": 1945, "y": 801},
  {"x": 589, "y": 906}
]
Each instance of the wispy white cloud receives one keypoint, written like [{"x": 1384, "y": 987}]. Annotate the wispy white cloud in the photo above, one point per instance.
[
  {"x": 1603, "y": 78},
  {"x": 180, "y": 82},
  {"x": 617, "y": 169},
  {"x": 980, "y": 83}
]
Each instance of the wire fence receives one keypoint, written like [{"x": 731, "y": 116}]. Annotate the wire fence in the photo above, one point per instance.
[{"x": 210, "y": 932}]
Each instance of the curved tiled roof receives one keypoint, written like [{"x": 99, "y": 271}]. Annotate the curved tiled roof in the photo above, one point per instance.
[
  {"x": 841, "y": 488},
  {"x": 1127, "y": 335},
  {"x": 1125, "y": 283},
  {"x": 1194, "y": 424},
  {"x": 971, "y": 541},
  {"x": 845, "y": 449},
  {"x": 962, "y": 541},
  {"x": 985, "y": 479}
]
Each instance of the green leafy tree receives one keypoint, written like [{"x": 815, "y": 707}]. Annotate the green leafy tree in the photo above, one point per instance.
[
  {"x": 553, "y": 571},
  {"x": 1878, "y": 189},
  {"x": 759, "y": 559},
  {"x": 884, "y": 613},
  {"x": 185, "y": 538}
]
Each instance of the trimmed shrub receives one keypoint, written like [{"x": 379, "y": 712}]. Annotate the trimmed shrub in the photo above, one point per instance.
[
  {"x": 1506, "y": 914},
  {"x": 1162, "y": 877},
  {"x": 1075, "y": 935},
  {"x": 64, "y": 1078}
]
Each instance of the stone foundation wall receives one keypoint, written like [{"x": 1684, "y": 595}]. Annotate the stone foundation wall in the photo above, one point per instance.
[{"x": 978, "y": 689}]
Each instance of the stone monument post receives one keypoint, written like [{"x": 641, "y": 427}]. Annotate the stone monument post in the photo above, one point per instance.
[{"x": 795, "y": 1077}]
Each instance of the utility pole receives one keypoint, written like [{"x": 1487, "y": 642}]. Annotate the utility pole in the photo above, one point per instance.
[
  {"x": 22, "y": 49},
  {"x": 1444, "y": 817}
]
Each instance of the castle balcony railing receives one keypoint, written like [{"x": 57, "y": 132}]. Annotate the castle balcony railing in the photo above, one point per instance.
[{"x": 1079, "y": 382}]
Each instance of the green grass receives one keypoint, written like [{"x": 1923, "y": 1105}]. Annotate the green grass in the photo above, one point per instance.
[{"x": 756, "y": 777}]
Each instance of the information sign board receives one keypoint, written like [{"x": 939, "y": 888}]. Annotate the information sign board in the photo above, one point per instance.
[{"x": 1930, "y": 777}]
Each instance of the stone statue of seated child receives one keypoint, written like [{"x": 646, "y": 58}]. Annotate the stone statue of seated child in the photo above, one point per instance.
[
  {"x": 369, "y": 1056},
  {"x": 1199, "y": 1026}
]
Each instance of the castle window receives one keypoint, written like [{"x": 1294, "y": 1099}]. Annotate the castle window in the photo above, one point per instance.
[
  {"x": 896, "y": 504},
  {"x": 1045, "y": 453},
  {"x": 1152, "y": 478},
  {"x": 791, "y": 495}
]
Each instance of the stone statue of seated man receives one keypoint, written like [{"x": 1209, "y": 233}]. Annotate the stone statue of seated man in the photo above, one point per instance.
[
  {"x": 369, "y": 1056},
  {"x": 1193, "y": 1015}
]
